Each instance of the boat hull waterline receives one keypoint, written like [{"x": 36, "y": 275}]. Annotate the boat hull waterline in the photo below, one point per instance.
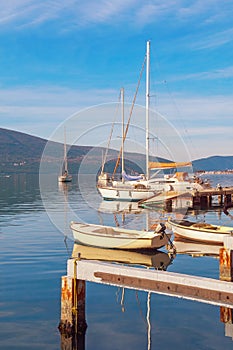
[
  {"x": 65, "y": 178},
  {"x": 125, "y": 194},
  {"x": 118, "y": 237},
  {"x": 203, "y": 232}
]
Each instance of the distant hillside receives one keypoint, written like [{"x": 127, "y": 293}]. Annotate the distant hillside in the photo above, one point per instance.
[
  {"x": 21, "y": 153},
  {"x": 214, "y": 163}
]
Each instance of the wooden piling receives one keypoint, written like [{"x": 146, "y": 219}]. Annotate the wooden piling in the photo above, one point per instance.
[
  {"x": 209, "y": 201},
  {"x": 227, "y": 200},
  {"x": 204, "y": 201},
  {"x": 196, "y": 201},
  {"x": 220, "y": 199},
  {"x": 226, "y": 260},
  {"x": 72, "y": 324}
]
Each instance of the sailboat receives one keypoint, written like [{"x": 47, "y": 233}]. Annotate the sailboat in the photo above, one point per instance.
[
  {"x": 65, "y": 176},
  {"x": 144, "y": 186}
]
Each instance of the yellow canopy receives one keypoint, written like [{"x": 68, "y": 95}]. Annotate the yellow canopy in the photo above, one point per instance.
[{"x": 171, "y": 165}]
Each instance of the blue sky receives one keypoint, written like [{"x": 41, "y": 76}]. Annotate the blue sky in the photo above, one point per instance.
[{"x": 58, "y": 58}]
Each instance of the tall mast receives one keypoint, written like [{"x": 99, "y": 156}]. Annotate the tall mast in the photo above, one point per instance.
[
  {"x": 65, "y": 155},
  {"x": 123, "y": 132},
  {"x": 147, "y": 106}
]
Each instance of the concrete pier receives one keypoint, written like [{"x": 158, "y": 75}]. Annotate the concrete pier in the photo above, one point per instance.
[
  {"x": 73, "y": 290},
  {"x": 173, "y": 284}
]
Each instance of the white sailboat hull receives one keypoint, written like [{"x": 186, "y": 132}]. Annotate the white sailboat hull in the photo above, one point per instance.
[
  {"x": 65, "y": 178},
  {"x": 117, "y": 237},
  {"x": 200, "y": 232},
  {"x": 155, "y": 191},
  {"x": 125, "y": 193}
]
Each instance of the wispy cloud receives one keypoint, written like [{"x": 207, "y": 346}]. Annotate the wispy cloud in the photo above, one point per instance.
[
  {"x": 221, "y": 73},
  {"x": 195, "y": 115},
  {"x": 71, "y": 12},
  {"x": 214, "y": 40},
  {"x": 76, "y": 13}
]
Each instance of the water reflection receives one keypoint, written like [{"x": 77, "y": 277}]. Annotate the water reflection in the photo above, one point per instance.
[
  {"x": 153, "y": 258},
  {"x": 196, "y": 249},
  {"x": 20, "y": 194}
]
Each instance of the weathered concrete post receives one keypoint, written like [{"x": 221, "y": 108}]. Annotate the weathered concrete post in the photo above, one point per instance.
[
  {"x": 226, "y": 274},
  {"x": 210, "y": 200},
  {"x": 226, "y": 260},
  {"x": 227, "y": 199},
  {"x": 196, "y": 200},
  {"x": 72, "y": 325},
  {"x": 204, "y": 202},
  {"x": 220, "y": 199}
]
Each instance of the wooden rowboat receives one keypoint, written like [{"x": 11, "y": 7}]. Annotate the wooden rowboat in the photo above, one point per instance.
[
  {"x": 200, "y": 231},
  {"x": 119, "y": 237}
]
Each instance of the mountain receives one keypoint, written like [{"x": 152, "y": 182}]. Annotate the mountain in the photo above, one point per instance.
[
  {"x": 214, "y": 163},
  {"x": 21, "y": 153}
]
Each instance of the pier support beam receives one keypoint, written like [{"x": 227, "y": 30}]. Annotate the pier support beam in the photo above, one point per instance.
[
  {"x": 210, "y": 201},
  {"x": 220, "y": 199},
  {"x": 228, "y": 199},
  {"x": 72, "y": 325},
  {"x": 196, "y": 201},
  {"x": 226, "y": 260},
  {"x": 204, "y": 201}
]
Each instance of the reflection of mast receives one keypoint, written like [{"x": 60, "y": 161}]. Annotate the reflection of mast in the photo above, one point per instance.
[
  {"x": 64, "y": 187},
  {"x": 148, "y": 322}
]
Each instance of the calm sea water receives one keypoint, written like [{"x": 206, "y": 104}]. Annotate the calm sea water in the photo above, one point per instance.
[{"x": 35, "y": 243}]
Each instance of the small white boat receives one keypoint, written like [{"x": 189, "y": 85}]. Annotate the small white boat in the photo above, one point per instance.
[
  {"x": 120, "y": 238},
  {"x": 200, "y": 231},
  {"x": 65, "y": 177}
]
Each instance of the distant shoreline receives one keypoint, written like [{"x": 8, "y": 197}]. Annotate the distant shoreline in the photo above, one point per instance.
[{"x": 230, "y": 171}]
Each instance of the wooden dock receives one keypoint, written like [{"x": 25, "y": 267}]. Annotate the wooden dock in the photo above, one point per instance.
[{"x": 205, "y": 197}]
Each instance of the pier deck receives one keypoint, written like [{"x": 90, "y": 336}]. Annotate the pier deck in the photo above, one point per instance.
[
  {"x": 200, "y": 289},
  {"x": 204, "y": 197}
]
